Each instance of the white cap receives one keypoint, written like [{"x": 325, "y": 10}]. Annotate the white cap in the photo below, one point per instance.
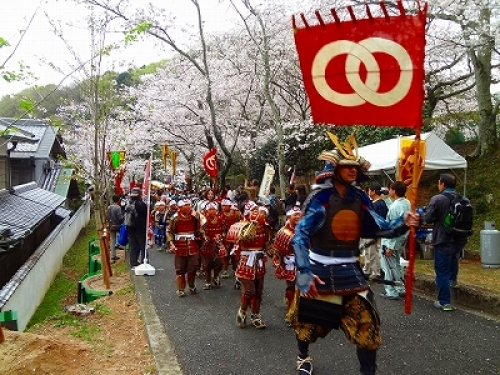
[
  {"x": 211, "y": 205},
  {"x": 249, "y": 206},
  {"x": 183, "y": 202},
  {"x": 292, "y": 211}
]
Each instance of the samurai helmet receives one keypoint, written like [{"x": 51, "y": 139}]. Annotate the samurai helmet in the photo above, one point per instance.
[{"x": 342, "y": 154}]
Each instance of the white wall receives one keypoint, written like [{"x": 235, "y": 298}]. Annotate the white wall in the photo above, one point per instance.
[{"x": 42, "y": 267}]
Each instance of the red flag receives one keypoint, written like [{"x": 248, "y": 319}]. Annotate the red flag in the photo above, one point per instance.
[
  {"x": 364, "y": 71},
  {"x": 210, "y": 163}
]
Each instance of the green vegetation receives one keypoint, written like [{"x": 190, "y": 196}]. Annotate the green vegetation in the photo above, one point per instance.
[
  {"x": 65, "y": 285},
  {"x": 483, "y": 175},
  {"x": 471, "y": 273}
]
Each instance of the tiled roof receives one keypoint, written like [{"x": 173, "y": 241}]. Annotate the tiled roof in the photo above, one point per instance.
[
  {"x": 41, "y": 131},
  {"x": 31, "y": 191},
  {"x": 22, "y": 209}
]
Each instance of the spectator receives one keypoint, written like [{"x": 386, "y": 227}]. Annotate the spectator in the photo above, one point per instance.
[
  {"x": 114, "y": 216},
  {"x": 241, "y": 197},
  {"x": 291, "y": 197},
  {"x": 392, "y": 248},
  {"x": 301, "y": 195},
  {"x": 446, "y": 248},
  {"x": 160, "y": 225},
  {"x": 273, "y": 200},
  {"x": 137, "y": 231},
  {"x": 252, "y": 189},
  {"x": 371, "y": 246}
]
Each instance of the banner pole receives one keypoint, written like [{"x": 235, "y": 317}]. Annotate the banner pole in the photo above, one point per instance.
[{"x": 411, "y": 240}]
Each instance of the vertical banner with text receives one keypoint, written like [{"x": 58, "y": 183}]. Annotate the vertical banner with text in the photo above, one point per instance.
[{"x": 267, "y": 180}]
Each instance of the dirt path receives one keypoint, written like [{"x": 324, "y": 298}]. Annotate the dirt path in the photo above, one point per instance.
[{"x": 109, "y": 341}]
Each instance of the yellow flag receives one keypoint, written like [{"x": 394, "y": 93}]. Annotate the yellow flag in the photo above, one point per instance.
[
  {"x": 173, "y": 158},
  {"x": 164, "y": 155},
  {"x": 409, "y": 168}
]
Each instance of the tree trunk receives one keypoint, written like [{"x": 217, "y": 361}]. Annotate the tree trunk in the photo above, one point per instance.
[{"x": 481, "y": 58}]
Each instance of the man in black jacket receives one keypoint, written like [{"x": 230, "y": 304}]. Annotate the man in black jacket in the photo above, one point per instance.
[
  {"x": 137, "y": 231},
  {"x": 291, "y": 197},
  {"x": 446, "y": 248}
]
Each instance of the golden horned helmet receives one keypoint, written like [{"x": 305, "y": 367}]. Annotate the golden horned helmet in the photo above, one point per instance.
[{"x": 344, "y": 154}]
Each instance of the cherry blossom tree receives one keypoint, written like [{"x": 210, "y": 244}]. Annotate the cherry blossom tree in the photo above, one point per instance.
[
  {"x": 94, "y": 124},
  {"x": 238, "y": 89},
  {"x": 479, "y": 22},
  {"x": 161, "y": 26}
]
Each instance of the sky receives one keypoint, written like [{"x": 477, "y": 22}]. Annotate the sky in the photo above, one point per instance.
[{"x": 40, "y": 46}]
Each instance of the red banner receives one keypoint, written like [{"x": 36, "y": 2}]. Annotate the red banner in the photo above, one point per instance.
[
  {"x": 364, "y": 71},
  {"x": 210, "y": 163}
]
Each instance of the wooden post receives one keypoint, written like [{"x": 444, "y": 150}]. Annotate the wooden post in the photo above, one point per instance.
[
  {"x": 106, "y": 266},
  {"x": 2, "y": 337}
]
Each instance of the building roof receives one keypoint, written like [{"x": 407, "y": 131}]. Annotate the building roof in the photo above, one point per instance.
[
  {"x": 22, "y": 209},
  {"x": 43, "y": 137}
]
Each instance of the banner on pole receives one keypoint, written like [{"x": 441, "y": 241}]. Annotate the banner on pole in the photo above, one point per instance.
[
  {"x": 364, "y": 71},
  {"x": 173, "y": 160},
  {"x": 210, "y": 163},
  {"x": 164, "y": 155},
  {"x": 116, "y": 158},
  {"x": 408, "y": 163},
  {"x": 292, "y": 177},
  {"x": 267, "y": 180}
]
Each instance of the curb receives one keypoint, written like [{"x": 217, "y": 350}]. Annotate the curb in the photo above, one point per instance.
[
  {"x": 159, "y": 343},
  {"x": 473, "y": 297}
]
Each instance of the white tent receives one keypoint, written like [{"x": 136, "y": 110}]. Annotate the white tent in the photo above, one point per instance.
[{"x": 383, "y": 156}]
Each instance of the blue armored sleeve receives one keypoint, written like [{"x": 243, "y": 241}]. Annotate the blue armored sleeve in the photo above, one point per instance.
[{"x": 313, "y": 219}]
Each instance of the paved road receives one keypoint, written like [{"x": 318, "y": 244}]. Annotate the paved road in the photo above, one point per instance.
[{"x": 206, "y": 341}]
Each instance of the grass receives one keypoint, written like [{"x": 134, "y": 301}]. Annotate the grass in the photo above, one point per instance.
[
  {"x": 63, "y": 291},
  {"x": 470, "y": 273},
  {"x": 65, "y": 285}
]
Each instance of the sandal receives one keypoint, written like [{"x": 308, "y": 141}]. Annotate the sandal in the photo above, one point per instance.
[{"x": 304, "y": 366}]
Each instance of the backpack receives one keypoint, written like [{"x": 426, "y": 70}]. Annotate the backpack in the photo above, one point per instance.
[
  {"x": 458, "y": 222},
  {"x": 130, "y": 214}
]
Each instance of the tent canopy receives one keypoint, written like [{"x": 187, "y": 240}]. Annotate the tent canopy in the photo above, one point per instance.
[{"x": 383, "y": 156}]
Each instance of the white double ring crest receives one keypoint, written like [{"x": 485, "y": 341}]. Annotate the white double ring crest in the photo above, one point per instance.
[
  {"x": 211, "y": 163},
  {"x": 358, "y": 53}
]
